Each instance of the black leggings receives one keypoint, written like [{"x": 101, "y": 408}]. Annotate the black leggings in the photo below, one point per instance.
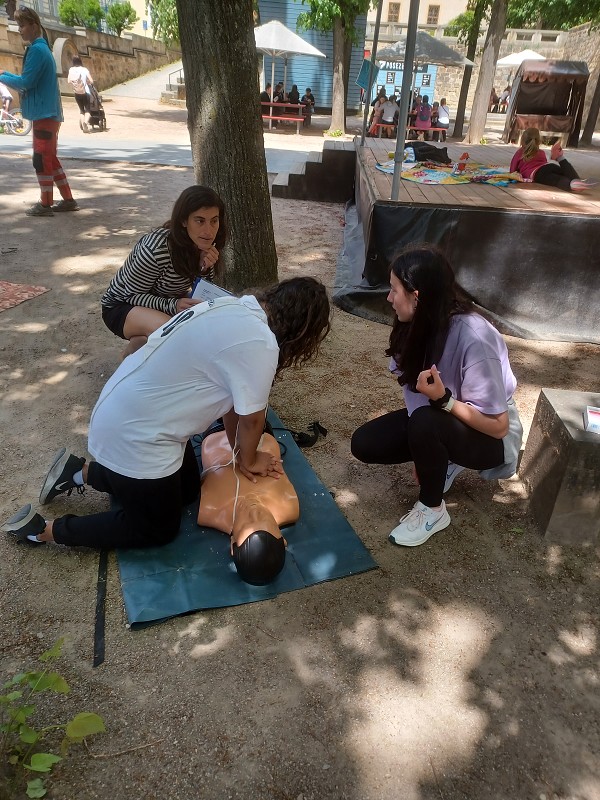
[
  {"x": 559, "y": 175},
  {"x": 431, "y": 438},
  {"x": 150, "y": 512}
]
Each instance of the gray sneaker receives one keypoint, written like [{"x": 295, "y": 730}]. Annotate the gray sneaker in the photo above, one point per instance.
[
  {"x": 26, "y": 522},
  {"x": 60, "y": 476},
  {"x": 38, "y": 210},
  {"x": 66, "y": 205}
]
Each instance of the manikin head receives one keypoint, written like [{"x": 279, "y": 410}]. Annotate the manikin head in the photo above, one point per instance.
[{"x": 257, "y": 546}]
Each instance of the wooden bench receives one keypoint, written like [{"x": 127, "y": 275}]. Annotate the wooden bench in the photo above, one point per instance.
[{"x": 297, "y": 118}]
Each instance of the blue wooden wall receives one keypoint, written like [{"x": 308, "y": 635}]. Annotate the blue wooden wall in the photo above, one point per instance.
[{"x": 306, "y": 70}]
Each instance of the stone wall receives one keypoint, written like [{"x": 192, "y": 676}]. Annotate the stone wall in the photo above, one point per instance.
[
  {"x": 583, "y": 45},
  {"x": 110, "y": 59}
]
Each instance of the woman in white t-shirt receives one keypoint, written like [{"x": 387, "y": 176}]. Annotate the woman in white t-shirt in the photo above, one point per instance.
[
  {"x": 458, "y": 384},
  {"x": 80, "y": 79}
]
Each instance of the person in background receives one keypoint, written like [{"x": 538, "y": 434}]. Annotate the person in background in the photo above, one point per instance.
[
  {"x": 423, "y": 117},
  {"x": 294, "y": 95},
  {"x": 279, "y": 95},
  {"x": 458, "y": 390},
  {"x": 389, "y": 115},
  {"x": 308, "y": 100},
  {"x": 443, "y": 120},
  {"x": 377, "y": 115},
  {"x": 155, "y": 281},
  {"x": 80, "y": 79},
  {"x": 493, "y": 105},
  {"x": 533, "y": 166},
  {"x": 503, "y": 99},
  {"x": 265, "y": 95},
  {"x": 41, "y": 104},
  {"x": 6, "y": 98}
]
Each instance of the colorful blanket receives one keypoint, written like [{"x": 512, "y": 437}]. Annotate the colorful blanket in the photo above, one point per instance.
[{"x": 439, "y": 174}]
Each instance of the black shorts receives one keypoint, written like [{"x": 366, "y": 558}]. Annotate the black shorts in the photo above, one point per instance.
[
  {"x": 114, "y": 317},
  {"x": 83, "y": 101}
]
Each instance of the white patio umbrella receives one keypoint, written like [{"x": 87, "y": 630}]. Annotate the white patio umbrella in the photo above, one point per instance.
[
  {"x": 515, "y": 59},
  {"x": 275, "y": 40},
  {"x": 428, "y": 50}
]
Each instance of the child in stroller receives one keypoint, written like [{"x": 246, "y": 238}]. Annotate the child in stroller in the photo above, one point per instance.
[{"x": 97, "y": 115}]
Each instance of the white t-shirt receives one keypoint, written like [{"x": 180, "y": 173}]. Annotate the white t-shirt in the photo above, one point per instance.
[
  {"x": 202, "y": 363},
  {"x": 79, "y": 78}
]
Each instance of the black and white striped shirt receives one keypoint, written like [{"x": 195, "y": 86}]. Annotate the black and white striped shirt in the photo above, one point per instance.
[{"x": 147, "y": 277}]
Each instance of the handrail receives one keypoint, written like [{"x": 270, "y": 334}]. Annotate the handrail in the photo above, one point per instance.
[{"x": 179, "y": 73}]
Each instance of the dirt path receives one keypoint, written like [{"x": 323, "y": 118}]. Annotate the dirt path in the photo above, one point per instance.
[{"x": 465, "y": 668}]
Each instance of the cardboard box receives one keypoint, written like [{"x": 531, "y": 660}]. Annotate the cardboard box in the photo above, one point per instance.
[{"x": 591, "y": 419}]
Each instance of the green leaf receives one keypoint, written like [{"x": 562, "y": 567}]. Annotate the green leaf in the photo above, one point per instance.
[
  {"x": 10, "y": 698},
  {"x": 28, "y": 735},
  {"x": 20, "y": 714},
  {"x": 84, "y": 724},
  {"x": 35, "y": 788},
  {"x": 42, "y": 762},
  {"x": 18, "y": 678},
  {"x": 516, "y": 530},
  {"x": 54, "y": 651},
  {"x": 54, "y": 682}
]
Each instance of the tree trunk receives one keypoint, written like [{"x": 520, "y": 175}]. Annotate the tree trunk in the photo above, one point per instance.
[
  {"x": 347, "y": 57},
  {"x": 481, "y": 101},
  {"x": 338, "y": 116},
  {"x": 225, "y": 125},
  {"x": 590, "y": 123},
  {"x": 478, "y": 14},
  {"x": 459, "y": 122}
]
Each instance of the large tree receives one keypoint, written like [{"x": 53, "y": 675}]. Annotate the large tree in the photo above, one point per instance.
[
  {"x": 338, "y": 16},
  {"x": 487, "y": 68},
  {"x": 467, "y": 27},
  {"x": 224, "y": 120}
]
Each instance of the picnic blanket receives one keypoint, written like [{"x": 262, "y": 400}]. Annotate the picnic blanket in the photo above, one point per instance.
[
  {"x": 441, "y": 175},
  {"x": 11, "y": 294},
  {"x": 196, "y": 571}
]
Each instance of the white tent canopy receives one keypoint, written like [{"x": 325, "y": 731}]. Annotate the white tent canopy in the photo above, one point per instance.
[
  {"x": 515, "y": 59},
  {"x": 275, "y": 40},
  {"x": 428, "y": 50}
]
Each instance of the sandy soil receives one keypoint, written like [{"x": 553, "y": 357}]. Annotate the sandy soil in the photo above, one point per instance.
[{"x": 465, "y": 668}]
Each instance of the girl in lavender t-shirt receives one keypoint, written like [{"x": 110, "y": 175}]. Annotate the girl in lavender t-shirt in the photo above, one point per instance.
[{"x": 458, "y": 385}]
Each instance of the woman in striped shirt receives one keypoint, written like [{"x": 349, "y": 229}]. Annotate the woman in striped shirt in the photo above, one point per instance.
[{"x": 155, "y": 281}]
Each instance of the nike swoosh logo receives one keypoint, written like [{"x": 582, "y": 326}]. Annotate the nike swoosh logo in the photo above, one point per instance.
[
  {"x": 60, "y": 486},
  {"x": 430, "y": 525}
]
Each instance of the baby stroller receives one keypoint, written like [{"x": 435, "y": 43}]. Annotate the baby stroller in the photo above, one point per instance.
[{"x": 97, "y": 115}]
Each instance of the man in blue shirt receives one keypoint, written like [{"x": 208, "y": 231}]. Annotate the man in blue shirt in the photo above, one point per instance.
[{"x": 40, "y": 102}]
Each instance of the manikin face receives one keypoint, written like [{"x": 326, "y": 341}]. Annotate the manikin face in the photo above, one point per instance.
[
  {"x": 252, "y": 515},
  {"x": 403, "y": 302},
  {"x": 202, "y": 226}
]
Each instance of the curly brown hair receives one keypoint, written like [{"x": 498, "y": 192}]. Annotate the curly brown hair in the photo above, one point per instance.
[{"x": 298, "y": 312}]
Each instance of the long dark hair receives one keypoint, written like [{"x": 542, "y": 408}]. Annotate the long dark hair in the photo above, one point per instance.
[
  {"x": 184, "y": 253},
  {"x": 298, "y": 313},
  {"x": 418, "y": 344}
]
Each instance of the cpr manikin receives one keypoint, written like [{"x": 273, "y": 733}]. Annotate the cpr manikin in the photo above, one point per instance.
[{"x": 251, "y": 513}]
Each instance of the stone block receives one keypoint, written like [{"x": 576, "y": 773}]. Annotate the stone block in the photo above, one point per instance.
[{"x": 561, "y": 468}]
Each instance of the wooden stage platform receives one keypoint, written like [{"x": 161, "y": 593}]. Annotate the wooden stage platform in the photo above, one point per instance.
[
  {"x": 522, "y": 196},
  {"x": 526, "y": 253}
]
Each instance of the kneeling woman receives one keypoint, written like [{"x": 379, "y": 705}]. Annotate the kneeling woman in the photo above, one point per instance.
[
  {"x": 458, "y": 385},
  {"x": 155, "y": 281}
]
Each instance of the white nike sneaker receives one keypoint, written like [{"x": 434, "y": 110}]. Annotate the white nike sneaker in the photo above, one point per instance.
[
  {"x": 451, "y": 472},
  {"x": 419, "y": 524}
]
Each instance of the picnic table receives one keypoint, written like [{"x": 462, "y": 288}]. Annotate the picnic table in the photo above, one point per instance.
[{"x": 295, "y": 114}]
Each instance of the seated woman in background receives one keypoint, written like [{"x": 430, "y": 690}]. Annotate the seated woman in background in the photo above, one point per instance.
[
  {"x": 250, "y": 513},
  {"x": 423, "y": 116},
  {"x": 533, "y": 166},
  {"x": 155, "y": 281},
  {"x": 458, "y": 386},
  {"x": 294, "y": 95}
]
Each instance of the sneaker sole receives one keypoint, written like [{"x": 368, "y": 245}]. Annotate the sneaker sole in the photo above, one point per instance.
[
  {"x": 54, "y": 473},
  {"x": 437, "y": 529},
  {"x": 12, "y": 527}
]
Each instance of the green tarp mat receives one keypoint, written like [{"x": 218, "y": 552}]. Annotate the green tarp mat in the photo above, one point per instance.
[{"x": 196, "y": 572}]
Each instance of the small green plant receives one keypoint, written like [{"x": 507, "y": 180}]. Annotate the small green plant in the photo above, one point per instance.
[
  {"x": 20, "y": 742},
  {"x": 483, "y": 140},
  {"x": 335, "y": 133}
]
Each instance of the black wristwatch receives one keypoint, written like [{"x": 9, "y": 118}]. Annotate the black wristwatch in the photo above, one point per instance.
[{"x": 445, "y": 402}]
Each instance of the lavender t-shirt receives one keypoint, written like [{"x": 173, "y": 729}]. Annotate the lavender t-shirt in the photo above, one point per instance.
[{"x": 474, "y": 366}]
